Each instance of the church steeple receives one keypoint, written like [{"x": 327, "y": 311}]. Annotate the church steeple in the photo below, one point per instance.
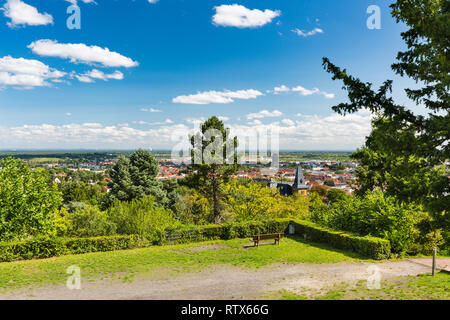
[{"x": 299, "y": 179}]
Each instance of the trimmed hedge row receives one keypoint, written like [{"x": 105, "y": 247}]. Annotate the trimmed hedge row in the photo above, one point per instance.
[
  {"x": 371, "y": 247},
  {"x": 225, "y": 231},
  {"x": 45, "y": 247}
]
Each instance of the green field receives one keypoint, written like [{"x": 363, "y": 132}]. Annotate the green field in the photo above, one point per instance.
[{"x": 173, "y": 259}]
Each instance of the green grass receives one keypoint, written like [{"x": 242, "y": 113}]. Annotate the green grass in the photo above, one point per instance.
[
  {"x": 421, "y": 287},
  {"x": 173, "y": 259}
]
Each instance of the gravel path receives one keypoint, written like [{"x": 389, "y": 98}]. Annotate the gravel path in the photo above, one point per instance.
[{"x": 225, "y": 282}]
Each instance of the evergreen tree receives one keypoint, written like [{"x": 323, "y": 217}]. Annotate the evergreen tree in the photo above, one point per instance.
[
  {"x": 405, "y": 150},
  {"x": 214, "y": 160},
  {"x": 135, "y": 178}
]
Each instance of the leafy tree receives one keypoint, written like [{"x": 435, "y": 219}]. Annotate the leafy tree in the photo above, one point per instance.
[
  {"x": 214, "y": 160},
  {"x": 135, "y": 178},
  {"x": 320, "y": 189},
  {"x": 335, "y": 195},
  {"x": 405, "y": 148},
  {"x": 28, "y": 201},
  {"x": 90, "y": 222},
  {"x": 140, "y": 216},
  {"x": 192, "y": 207}
]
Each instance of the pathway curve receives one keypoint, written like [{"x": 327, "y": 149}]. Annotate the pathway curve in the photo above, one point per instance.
[{"x": 225, "y": 282}]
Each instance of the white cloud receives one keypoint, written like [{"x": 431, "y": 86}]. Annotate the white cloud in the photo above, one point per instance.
[
  {"x": 75, "y": 2},
  {"x": 153, "y": 1},
  {"x": 150, "y": 110},
  {"x": 288, "y": 122},
  {"x": 241, "y": 17},
  {"x": 303, "y": 91},
  {"x": 282, "y": 88},
  {"x": 264, "y": 114},
  {"x": 26, "y": 72},
  {"x": 312, "y": 132},
  {"x": 81, "y": 53},
  {"x": 307, "y": 33},
  {"x": 84, "y": 79},
  {"x": 217, "y": 97},
  {"x": 167, "y": 121},
  {"x": 221, "y": 118},
  {"x": 21, "y": 13},
  {"x": 89, "y": 76}
]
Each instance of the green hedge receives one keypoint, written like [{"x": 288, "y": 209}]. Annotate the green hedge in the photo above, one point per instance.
[
  {"x": 38, "y": 248},
  {"x": 371, "y": 247},
  {"x": 48, "y": 247},
  {"x": 225, "y": 231}
]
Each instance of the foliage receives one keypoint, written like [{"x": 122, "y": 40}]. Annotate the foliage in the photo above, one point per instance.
[
  {"x": 320, "y": 189},
  {"x": 141, "y": 217},
  {"x": 404, "y": 148},
  {"x": 90, "y": 222},
  {"x": 192, "y": 207},
  {"x": 250, "y": 201},
  {"x": 77, "y": 191},
  {"x": 371, "y": 247},
  {"x": 336, "y": 195},
  {"x": 135, "y": 178},
  {"x": 214, "y": 160},
  {"x": 28, "y": 201},
  {"x": 46, "y": 247},
  {"x": 376, "y": 214}
]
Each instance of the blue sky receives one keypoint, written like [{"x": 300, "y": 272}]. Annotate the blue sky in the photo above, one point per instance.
[{"x": 173, "y": 54}]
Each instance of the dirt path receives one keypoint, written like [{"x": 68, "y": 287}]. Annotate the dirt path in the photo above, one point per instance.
[{"x": 225, "y": 282}]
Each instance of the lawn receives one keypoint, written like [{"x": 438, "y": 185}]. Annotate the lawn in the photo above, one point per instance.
[
  {"x": 421, "y": 287},
  {"x": 174, "y": 259}
]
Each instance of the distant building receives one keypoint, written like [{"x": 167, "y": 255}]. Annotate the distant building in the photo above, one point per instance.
[{"x": 299, "y": 185}]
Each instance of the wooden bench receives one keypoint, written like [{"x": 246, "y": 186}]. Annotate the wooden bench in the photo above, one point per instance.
[{"x": 276, "y": 236}]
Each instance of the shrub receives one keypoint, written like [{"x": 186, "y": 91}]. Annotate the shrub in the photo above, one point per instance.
[
  {"x": 90, "y": 222},
  {"x": 46, "y": 247},
  {"x": 28, "y": 200},
  {"x": 191, "y": 207},
  {"x": 375, "y": 214},
  {"x": 371, "y": 247},
  {"x": 141, "y": 217}
]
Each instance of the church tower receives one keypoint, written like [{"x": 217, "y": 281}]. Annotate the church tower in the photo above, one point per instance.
[{"x": 300, "y": 186}]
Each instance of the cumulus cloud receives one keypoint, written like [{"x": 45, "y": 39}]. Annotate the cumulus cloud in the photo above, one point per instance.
[
  {"x": 26, "y": 72},
  {"x": 313, "y": 132},
  {"x": 264, "y": 114},
  {"x": 303, "y": 91},
  {"x": 217, "y": 96},
  {"x": 21, "y": 13},
  {"x": 89, "y": 76},
  {"x": 306, "y": 34},
  {"x": 75, "y": 2},
  {"x": 241, "y": 17},
  {"x": 150, "y": 110},
  {"x": 81, "y": 53}
]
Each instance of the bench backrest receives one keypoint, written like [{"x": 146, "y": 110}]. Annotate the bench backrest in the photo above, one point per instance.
[{"x": 268, "y": 236}]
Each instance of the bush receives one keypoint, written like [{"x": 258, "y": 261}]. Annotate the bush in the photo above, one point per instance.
[
  {"x": 141, "y": 217},
  {"x": 90, "y": 222},
  {"x": 46, "y": 247},
  {"x": 28, "y": 200},
  {"x": 371, "y": 247},
  {"x": 375, "y": 214}
]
